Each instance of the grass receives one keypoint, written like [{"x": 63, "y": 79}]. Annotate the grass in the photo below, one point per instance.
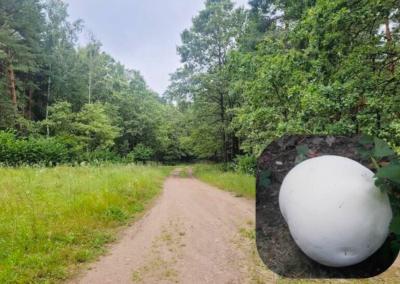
[
  {"x": 238, "y": 183},
  {"x": 51, "y": 220}
]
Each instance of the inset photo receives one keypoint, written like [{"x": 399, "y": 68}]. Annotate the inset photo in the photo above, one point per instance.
[{"x": 328, "y": 206}]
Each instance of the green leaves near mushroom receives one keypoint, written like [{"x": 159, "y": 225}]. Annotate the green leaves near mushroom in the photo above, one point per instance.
[
  {"x": 386, "y": 165},
  {"x": 383, "y": 160}
]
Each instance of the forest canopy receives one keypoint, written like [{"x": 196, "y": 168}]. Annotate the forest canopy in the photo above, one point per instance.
[{"x": 247, "y": 77}]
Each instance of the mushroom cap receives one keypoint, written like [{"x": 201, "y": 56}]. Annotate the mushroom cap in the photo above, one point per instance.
[{"x": 335, "y": 213}]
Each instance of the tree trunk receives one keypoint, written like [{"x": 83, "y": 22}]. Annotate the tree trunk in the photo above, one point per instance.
[
  {"x": 12, "y": 86},
  {"x": 224, "y": 148},
  {"x": 236, "y": 145}
]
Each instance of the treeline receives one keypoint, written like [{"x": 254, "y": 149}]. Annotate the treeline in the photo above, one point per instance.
[
  {"x": 312, "y": 67},
  {"x": 248, "y": 76},
  {"x": 60, "y": 102}
]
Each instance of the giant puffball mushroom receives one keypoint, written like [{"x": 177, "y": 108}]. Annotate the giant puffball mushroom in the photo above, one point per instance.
[{"x": 335, "y": 213}]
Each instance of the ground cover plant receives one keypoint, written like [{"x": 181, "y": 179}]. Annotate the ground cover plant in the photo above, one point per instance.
[{"x": 53, "y": 219}]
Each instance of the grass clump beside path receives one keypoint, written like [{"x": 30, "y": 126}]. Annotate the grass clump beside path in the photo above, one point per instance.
[
  {"x": 238, "y": 183},
  {"x": 53, "y": 219}
]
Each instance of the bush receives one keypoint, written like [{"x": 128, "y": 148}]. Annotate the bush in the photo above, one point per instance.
[
  {"x": 246, "y": 164},
  {"x": 141, "y": 153},
  {"x": 16, "y": 151}
]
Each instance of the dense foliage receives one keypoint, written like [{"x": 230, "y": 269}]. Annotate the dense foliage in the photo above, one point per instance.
[
  {"x": 315, "y": 67},
  {"x": 247, "y": 77},
  {"x": 386, "y": 165},
  {"x": 68, "y": 103},
  {"x": 14, "y": 151}
]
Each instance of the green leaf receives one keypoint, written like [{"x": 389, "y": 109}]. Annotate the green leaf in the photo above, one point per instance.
[
  {"x": 390, "y": 172},
  {"x": 382, "y": 149},
  {"x": 364, "y": 153},
  {"x": 302, "y": 150},
  {"x": 395, "y": 225},
  {"x": 382, "y": 185},
  {"x": 366, "y": 140}
]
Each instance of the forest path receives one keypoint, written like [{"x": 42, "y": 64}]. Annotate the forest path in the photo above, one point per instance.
[{"x": 195, "y": 233}]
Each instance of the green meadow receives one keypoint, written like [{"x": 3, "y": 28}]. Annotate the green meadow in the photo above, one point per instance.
[{"x": 53, "y": 219}]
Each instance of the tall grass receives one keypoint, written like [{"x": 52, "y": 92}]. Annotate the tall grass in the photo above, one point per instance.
[
  {"x": 238, "y": 183},
  {"x": 53, "y": 219}
]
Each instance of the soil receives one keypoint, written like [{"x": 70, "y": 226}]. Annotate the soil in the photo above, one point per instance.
[
  {"x": 274, "y": 242},
  {"x": 193, "y": 234}
]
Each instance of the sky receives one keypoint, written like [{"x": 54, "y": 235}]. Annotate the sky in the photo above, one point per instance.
[{"x": 141, "y": 34}]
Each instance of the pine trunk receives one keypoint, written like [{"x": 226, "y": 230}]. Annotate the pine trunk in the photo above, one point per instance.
[{"x": 12, "y": 86}]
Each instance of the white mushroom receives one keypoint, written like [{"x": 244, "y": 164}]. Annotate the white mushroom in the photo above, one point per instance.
[{"x": 335, "y": 213}]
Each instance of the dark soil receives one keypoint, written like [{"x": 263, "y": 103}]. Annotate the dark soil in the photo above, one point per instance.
[{"x": 275, "y": 244}]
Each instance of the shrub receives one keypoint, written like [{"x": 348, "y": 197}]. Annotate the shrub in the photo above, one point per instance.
[
  {"x": 141, "y": 153},
  {"x": 16, "y": 151},
  {"x": 246, "y": 164}
]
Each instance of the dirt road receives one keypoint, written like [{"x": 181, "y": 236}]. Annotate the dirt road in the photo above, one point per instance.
[{"x": 194, "y": 234}]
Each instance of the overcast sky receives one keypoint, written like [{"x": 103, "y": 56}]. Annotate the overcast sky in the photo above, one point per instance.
[{"x": 141, "y": 34}]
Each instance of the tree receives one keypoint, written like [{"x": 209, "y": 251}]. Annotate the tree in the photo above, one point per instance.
[
  {"x": 330, "y": 69},
  {"x": 204, "y": 52},
  {"x": 80, "y": 95},
  {"x": 59, "y": 40},
  {"x": 94, "y": 128},
  {"x": 21, "y": 26}
]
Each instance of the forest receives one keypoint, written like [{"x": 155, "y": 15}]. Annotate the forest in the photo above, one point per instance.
[
  {"x": 86, "y": 146},
  {"x": 248, "y": 76}
]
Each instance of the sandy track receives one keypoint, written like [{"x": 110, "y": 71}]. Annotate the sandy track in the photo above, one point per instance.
[{"x": 193, "y": 234}]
